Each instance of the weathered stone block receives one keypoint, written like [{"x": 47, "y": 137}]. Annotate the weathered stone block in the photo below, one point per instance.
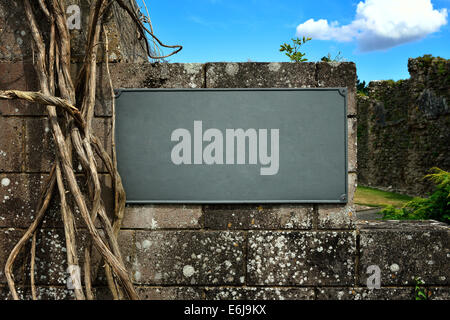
[
  {"x": 15, "y": 42},
  {"x": 11, "y": 144},
  {"x": 53, "y": 217},
  {"x": 162, "y": 216},
  {"x": 127, "y": 248},
  {"x": 365, "y": 294},
  {"x": 258, "y": 216},
  {"x": 189, "y": 257},
  {"x": 440, "y": 293},
  {"x": 42, "y": 293},
  {"x": 146, "y": 75},
  {"x": 40, "y": 149},
  {"x": 39, "y": 146},
  {"x": 301, "y": 258},
  {"x": 260, "y": 75},
  {"x": 170, "y": 293},
  {"x": 334, "y": 216},
  {"x": 399, "y": 293},
  {"x": 339, "y": 216},
  {"x": 51, "y": 255},
  {"x": 156, "y": 293},
  {"x": 339, "y": 74},
  {"x": 19, "y": 76},
  {"x": 259, "y": 293},
  {"x": 8, "y": 239},
  {"x": 19, "y": 194},
  {"x": 102, "y": 127},
  {"x": 352, "y": 184},
  {"x": 404, "y": 250},
  {"x": 352, "y": 144}
]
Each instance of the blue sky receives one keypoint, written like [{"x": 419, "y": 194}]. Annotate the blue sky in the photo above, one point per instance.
[{"x": 378, "y": 35}]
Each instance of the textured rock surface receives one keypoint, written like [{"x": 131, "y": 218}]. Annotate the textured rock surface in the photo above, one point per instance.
[
  {"x": 188, "y": 258},
  {"x": 260, "y": 75},
  {"x": 19, "y": 76},
  {"x": 379, "y": 294},
  {"x": 301, "y": 258},
  {"x": 403, "y": 128},
  {"x": 162, "y": 217},
  {"x": 258, "y": 293},
  {"x": 406, "y": 250},
  {"x": 258, "y": 217},
  {"x": 290, "y": 251},
  {"x": 11, "y": 144}
]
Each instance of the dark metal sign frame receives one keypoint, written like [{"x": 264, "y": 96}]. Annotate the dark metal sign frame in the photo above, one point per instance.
[{"x": 128, "y": 122}]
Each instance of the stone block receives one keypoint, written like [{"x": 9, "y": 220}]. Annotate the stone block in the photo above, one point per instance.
[
  {"x": 19, "y": 76},
  {"x": 8, "y": 239},
  {"x": 157, "y": 293},
  {"x": 51, "y": 255},
  {"x": 127, "y": 248},
  {"x": 248, "y": 216},
  {"x": 53, "y": 218},
  {"x": 162, "y": 216},
  {"x": 102, "y": 128},
  {"x": 40, "y": 149},
  {"x": 42, "y": 293},
  {"x": 404, "y": 250},
  {"x": 352, "y": 144},
  {"x": 15, "y": 42},
  {"x": 335, "y": 216},
  {"x": 40, "y": 152},
  {"x": 339, "y": 74},
  {"x": 300, "y": 258},
  {"x": 398, "y": 293},
  {"x": 259, "y": 293},
  {"x": 170, "y": 293},
  {"x": 146, "y": 75},
  {"x": 260, "y": 75},
  {"x": 11, "y": 144},
  {"x": 365, "y": 294},
  {"x": 189, "y": 258},
  {"x": 19, "y": 194},
  {"x": 352, "y": 184}
]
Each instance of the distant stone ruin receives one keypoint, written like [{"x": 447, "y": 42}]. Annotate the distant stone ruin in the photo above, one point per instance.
[{"x": 404, "y": 128}]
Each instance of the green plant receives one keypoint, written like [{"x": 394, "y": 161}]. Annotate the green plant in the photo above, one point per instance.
[
  {"x": 293, "y": 51},
  {"x": 436, "y": 206},
  {"x": 421, "y": 292},
  {"x": 361, "y": 87},
  {"x": 337, "y": 58}
]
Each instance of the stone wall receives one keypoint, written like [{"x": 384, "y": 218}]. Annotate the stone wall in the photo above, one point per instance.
[
  {"x": 217, "y": 251},
  {"x": 307, "y": 251},
  {"x": 403, "y": 128}
]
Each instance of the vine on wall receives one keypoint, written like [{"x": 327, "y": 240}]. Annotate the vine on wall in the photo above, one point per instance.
[{"x": 73, "y": 135}]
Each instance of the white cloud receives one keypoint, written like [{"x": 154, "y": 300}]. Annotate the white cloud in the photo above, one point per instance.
[{"x": 380, "y": 24}]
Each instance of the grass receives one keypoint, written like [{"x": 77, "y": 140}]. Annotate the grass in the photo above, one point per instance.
[{"x": 372, "y": 197}]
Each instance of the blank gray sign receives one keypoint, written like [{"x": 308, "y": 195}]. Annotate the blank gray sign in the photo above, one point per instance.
[{"x": 232, "y": 145}]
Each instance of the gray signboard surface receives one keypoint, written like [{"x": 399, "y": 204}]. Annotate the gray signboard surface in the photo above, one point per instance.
[{"x": 232, "y": 145}]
